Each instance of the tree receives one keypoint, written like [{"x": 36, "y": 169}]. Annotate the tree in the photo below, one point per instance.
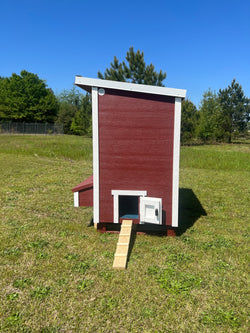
[
  {"x": 69, "y": 103},
  {"x": 188, "y": 120},
  {"x": 235, "y": 110},
  {"x": 75, "y": 112},
  {"x": 72, "y": 96},
  {"x": 25, "y": 97},
  {"x": 82, "y": 121},
  {"x": 209, "y": 127},
  {"x": 65, "y": 115},
  {"x": 133, "y": 70}
]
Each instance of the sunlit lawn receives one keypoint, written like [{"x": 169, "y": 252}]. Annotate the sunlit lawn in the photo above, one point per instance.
[{"x": 56, "y": 271}]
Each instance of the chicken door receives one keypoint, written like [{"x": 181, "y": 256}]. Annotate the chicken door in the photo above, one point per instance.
[{"x": 150, "y": 210}]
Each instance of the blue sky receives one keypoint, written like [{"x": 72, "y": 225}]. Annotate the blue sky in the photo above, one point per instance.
[{"x": 200, "y": 44}]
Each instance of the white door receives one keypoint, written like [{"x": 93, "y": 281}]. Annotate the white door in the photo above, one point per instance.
[{"x": 150, "y": 210}]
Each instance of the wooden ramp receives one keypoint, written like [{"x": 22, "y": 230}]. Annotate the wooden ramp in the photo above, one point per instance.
[{"x": 121, "y": 254}]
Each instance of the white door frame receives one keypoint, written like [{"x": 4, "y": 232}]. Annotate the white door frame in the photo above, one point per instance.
[{"x": 116, "y": 194}]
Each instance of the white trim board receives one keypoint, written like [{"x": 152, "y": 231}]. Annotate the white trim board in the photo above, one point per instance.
[
  {"x": 176, "y": 162},
  {"x": 88, "y": 82},
  {"x": 76, "y": 199},
  {"x": 116, "y": 194},
  {"x": 128, "y": 192},
  {"x": 95, "y": 135}
]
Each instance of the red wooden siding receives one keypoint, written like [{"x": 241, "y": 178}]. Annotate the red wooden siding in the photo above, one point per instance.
[
  {"x": 83, "y": 185},
  {"x": 135, "y": 147},
  {"x": 86, "y": 197},
  {"x": 85, "y": 190}
]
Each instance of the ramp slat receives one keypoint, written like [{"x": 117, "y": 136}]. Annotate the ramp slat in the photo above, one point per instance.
[{"x": 121, "y": 254}]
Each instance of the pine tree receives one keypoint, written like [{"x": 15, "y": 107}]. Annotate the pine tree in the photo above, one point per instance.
[
  {"x": 134, "y": 70},
  {"x": 235, "y": 110}
]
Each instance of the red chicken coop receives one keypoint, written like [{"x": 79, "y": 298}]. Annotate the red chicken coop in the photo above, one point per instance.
[{"x": 136, "y": 147}]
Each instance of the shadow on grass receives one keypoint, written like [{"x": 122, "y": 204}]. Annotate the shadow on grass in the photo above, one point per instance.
[
  {"x": 190, "y": 210},
  {"x": 91, "y": 223},
  {"x": 132, "y": 242}
]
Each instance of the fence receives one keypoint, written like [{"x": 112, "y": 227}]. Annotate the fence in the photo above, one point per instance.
[{"x": 30, "y": 128}]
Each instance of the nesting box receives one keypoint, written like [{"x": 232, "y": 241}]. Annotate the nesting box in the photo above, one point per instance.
[{"x": 136, "y": 145}]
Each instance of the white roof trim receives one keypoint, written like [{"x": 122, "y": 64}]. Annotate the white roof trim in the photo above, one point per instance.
[
  {"x": 128, "y": 192},
  {"x": 88, "y": 82}
]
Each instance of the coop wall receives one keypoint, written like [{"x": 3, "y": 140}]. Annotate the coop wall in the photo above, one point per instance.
[
  {"x": 86, "y": 197},
  {"x": 136, "y": 133}
]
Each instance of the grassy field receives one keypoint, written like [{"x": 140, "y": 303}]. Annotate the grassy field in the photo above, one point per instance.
[{"x": 56, "y": 271}]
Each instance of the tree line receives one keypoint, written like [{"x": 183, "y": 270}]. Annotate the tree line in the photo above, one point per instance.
[
  {"x": 221, "y": 115},
  {"x": 26, "y": 98}
]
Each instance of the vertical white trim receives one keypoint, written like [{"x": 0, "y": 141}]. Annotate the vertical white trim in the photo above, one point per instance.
[
  {"x": 76, "y": 199},
  {"x": 176, "y": 162},
  {"x": 116, "y": 208},
  {"x": 95, "y": 133}
]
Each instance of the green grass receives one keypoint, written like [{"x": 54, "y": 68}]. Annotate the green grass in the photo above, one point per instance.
[
  {"x": 67, "y": 147},
  {"x": 56, "y": 272}
]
